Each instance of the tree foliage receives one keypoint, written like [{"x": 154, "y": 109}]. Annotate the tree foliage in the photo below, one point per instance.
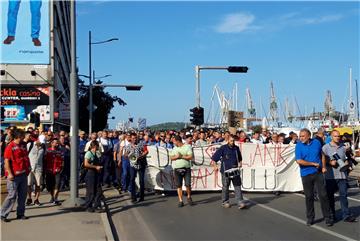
[{"x": 102, "y": 100}]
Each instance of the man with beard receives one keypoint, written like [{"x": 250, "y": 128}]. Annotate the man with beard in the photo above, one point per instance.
[{"x": 230, "y": 158}]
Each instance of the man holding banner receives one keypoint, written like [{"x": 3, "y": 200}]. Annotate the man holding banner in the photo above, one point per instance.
[{"x": 230, "y": 157}]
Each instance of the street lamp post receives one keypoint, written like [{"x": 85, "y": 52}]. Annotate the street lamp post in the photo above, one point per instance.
[{"x": 91, "y": 80}]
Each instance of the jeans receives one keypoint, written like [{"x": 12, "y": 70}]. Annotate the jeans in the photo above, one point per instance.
[
  {"x": 16, "y": 189},
  {"x": 333, "y": 185},
  {"x": 13, "y": 10},
  {"x": 125, "y": 178},
  {"x": 236, "y": 181},
  {"x": 309, "y": 182},
  {"x": 133, "y": 173}
]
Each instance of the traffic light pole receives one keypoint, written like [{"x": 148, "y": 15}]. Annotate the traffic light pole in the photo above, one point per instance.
[
  {"x": 197, "y": 81},
  {"x": 231, "y": 69}
]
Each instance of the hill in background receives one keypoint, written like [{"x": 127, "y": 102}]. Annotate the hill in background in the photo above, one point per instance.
[{"x": 168, "y": 126}]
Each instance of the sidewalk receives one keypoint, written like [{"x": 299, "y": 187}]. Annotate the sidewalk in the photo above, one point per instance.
[{"x": 49, "y": 222}]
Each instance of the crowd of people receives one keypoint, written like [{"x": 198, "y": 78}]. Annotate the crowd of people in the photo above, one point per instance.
[{"x": 34, "y": 159}]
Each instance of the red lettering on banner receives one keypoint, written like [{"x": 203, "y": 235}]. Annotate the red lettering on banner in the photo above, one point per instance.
[
  {"x": 216, "y": 176},
  {"x": 266, "y": 151},
  {"x": 197, "y": 177},
  {"x": 283, "y": 160},
  {"x": 258, "y": 153}
]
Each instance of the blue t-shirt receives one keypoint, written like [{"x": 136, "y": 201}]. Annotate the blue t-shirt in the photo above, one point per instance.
[{"x": 309, "y": 152}]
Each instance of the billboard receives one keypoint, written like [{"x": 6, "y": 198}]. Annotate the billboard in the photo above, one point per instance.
[
  {"x": 25, "y": 32},
  {"x": 20, "y": 100}
]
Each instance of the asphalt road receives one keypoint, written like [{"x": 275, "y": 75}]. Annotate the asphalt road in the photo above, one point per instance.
[{"x": 269, "y": 217}]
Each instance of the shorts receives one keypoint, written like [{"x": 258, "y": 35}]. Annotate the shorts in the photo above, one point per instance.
[
  {"x": 52, "y": 181},
  {"x": 34, "y": 176},
  {"x": 182, "y": 175}
]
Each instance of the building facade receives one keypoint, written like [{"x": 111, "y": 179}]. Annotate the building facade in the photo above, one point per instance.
[{"x": 35, "y": 65}]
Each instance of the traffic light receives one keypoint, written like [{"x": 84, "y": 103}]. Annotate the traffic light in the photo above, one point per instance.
[
  {"x": 237, "y": 69},
  {"x": 197, "y": 114}
]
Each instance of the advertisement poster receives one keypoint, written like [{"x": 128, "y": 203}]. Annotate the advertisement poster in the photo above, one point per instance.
[
  {"x": 20, "y": 101},
  {"x": 25, "y": 32}
]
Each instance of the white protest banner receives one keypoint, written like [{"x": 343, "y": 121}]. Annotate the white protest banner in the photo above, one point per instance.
[{"x": 264, "y": 168}]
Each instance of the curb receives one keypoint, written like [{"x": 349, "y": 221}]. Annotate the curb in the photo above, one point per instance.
[
  {"x": 107, "y": 227},
  {"x": 108, "y": 224}
]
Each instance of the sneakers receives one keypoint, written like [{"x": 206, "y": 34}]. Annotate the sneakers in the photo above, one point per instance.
[
  {"x": 57, "y": 202},
  {"x": 329, "y": 222},
  {"x": 37, "y": 203},
  {"x": 22, "y": 217},
  {"x": 98, "y": 210},
  {"x": 5, "y": 219},
  {"x": 242, "y": 205},
  {"x": 226, "y": 205},
  {"x": 28, "y": 202},
  {"x": 309, "y": 222},
  {"x": 90, "y": 210},
  {"x": 180, "y": 204},
  {"x": 190, "y": 201},
  {"x": 350, "y": 219}
]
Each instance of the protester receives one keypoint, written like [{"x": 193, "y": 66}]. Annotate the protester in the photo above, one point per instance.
[
  {"x": 230, "y": 157},
  {"x": 336, "y": 180},
  {"x": 36, "y": 152},
  {"x": 181, "y": 157},
  {"x": 17, "y": 167},
  {"x": 308, "y": 155},
  {"x": 106, "y": 158},
  {"x": 93, "y": 183},
  {"x": 54, "y": 164},
  {"x": 136, "y": 153}
]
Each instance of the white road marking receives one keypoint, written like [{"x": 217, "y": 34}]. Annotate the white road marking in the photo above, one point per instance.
[
  {"x": 303, "y": 221},
  {"x": 350, "y": 198}
]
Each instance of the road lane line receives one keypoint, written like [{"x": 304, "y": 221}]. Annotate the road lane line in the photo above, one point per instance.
[
  {"x": 350, "y": 198},
  {"x": 303, "y": 222}
]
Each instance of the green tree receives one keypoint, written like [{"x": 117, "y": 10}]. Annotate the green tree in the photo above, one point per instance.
[{"x": 102, "y": 100}]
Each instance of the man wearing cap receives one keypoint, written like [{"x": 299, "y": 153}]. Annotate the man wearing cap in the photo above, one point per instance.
[{"x": 336, "y": 180}]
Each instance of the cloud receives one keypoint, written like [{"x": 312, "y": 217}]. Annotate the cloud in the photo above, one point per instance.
[
  {"x": 322, "y": 19},
  {"x": 245, "y": 22},
  {"x": 236, "y": 23}
]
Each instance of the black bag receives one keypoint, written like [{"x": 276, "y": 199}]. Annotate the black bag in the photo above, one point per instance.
[{"x": 181, "y": 171}]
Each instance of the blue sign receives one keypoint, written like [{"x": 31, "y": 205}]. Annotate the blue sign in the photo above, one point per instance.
[
  {"x": 15, "y": 113},
  {"x": 25, "y": 32}
]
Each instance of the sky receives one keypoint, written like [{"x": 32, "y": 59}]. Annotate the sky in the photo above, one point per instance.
[{"x": 304, "y": 48}]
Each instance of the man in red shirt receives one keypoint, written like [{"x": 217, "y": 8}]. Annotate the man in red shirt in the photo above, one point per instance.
[
  {"x": 17, "y": 167},
  {"x": 54, "y": 164}
]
